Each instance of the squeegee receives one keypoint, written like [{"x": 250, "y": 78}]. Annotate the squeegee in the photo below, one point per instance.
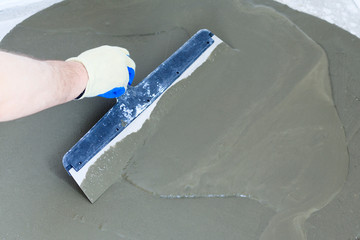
[{"x": 130, "y": 112}]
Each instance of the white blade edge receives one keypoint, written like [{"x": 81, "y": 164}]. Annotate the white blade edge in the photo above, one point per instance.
[{"x": 137, "y": 124}]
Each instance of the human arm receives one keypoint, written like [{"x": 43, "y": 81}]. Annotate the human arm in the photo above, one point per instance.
[{"x": 28, "y": 85}]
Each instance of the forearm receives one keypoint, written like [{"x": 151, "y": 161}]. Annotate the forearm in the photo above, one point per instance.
[{"x": 28, "y": 86}]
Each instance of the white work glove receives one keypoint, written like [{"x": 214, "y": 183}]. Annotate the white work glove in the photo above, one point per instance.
[{"x": 110, "y": 70}]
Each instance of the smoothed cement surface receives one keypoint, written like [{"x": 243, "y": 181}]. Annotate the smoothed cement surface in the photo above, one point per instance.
[{"x": 271, "y": 154}]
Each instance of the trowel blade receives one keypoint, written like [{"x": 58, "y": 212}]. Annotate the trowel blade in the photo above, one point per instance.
[{"x": 82, "y": 161}]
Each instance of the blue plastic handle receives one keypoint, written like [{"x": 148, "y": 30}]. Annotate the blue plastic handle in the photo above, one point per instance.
[{"x": 139, "y": 97}]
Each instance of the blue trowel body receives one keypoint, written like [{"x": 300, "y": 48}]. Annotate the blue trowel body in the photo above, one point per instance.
[{"x": 131, "y": 105}]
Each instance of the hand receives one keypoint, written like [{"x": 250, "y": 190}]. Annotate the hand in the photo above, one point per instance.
[{"x": 110, "y": 70}]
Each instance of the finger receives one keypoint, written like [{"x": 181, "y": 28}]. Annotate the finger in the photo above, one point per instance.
[
  {"x": 131, "y": 75},
  {"x": 131, "y": 63},
  {"x": 113, "y": 93},
  {"x": 123, "y": 50}
]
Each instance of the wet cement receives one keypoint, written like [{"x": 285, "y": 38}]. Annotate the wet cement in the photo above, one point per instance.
[{"x": 42, "y": 202}]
